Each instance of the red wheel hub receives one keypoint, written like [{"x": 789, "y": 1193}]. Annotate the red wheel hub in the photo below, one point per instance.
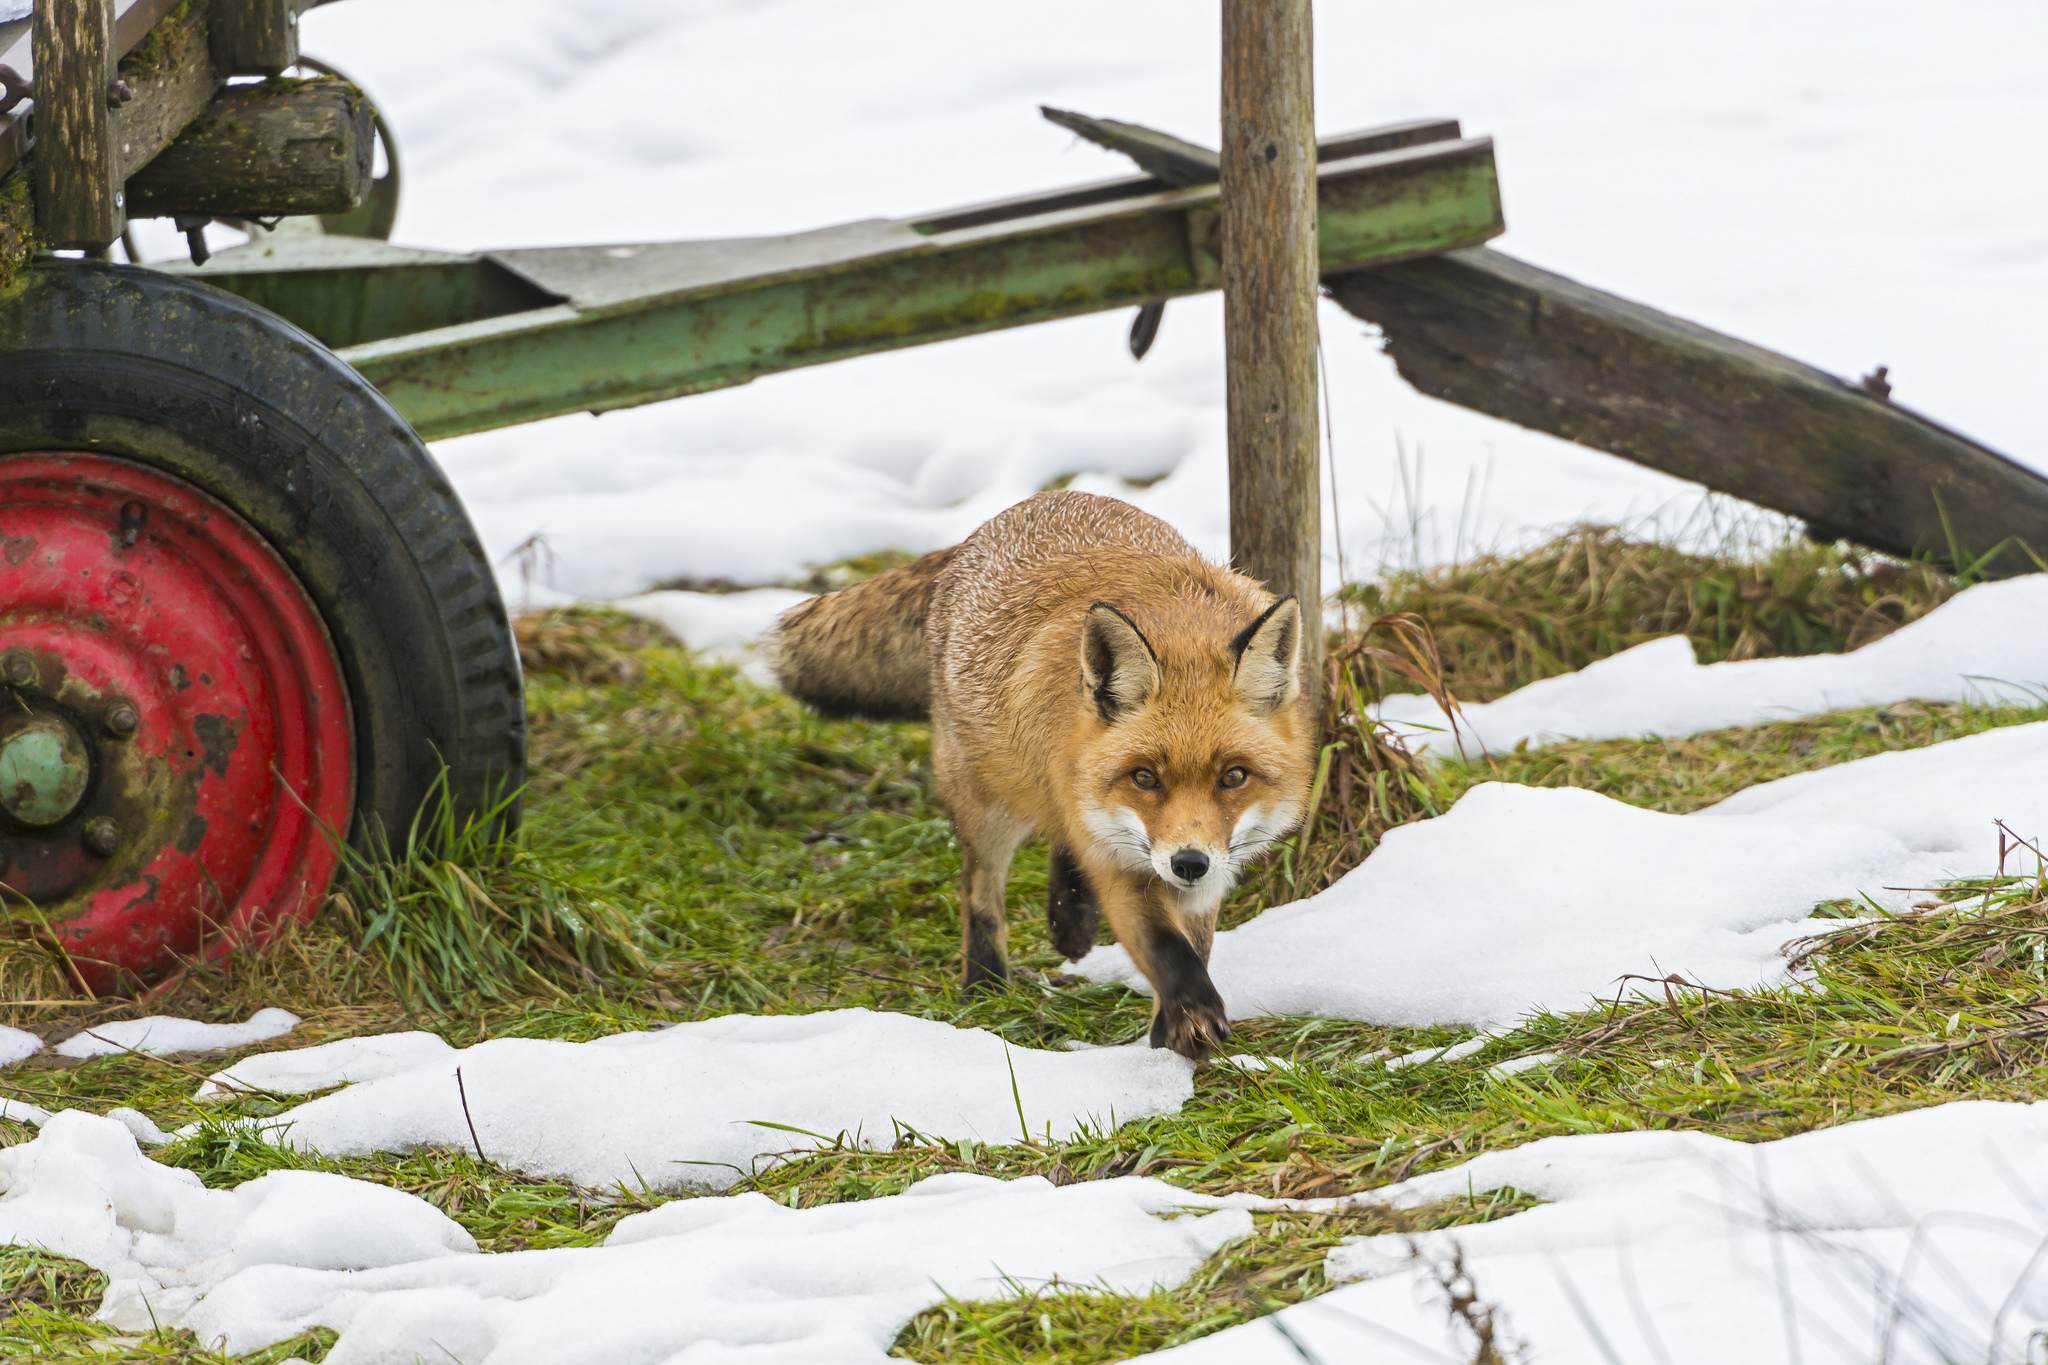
[{"x": 176, "y": 755}]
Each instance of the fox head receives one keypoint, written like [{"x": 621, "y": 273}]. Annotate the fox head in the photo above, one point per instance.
[{"x": 1201, "y": 758}]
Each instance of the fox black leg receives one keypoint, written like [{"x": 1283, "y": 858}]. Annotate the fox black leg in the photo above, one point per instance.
[
  {"x": 984, "y": 934},
  {"x": 1187, "y": 1013},
  {"x": 1071, "y": 906}
]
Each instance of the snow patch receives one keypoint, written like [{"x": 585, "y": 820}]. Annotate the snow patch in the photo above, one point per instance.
[
  {"x": 1500, "y": 1071},
  {"x": 161, "y": 1034},
  {"x": 17, "y": 1045},
  {"x": 1898, "y": 1238},
  {"x": 83, "y": 1189},
  {"x": 711, "y": 1277},
  {"x": 724, "y": 626},
  {"x": 700, "y": 1105},
  {"x": 20, "y": 1111},
  {"x": 346, "y": 1061},
  {"x": 1982, "y": 645},
  {"x": 1522, "y": 898},
  {"x": 1425, "y": 1055},
  {"x": 714, "y": 1277}
]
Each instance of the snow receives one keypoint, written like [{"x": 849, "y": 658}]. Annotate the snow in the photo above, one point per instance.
[
  {"x": 700, "y": 1105},
  {"x": 1429, "y": 1055},
  {"x": 1943, "y": 797},
  {"x": 723, "y": 626},
  {"x": 721, "y": 1278},
  {"x": 20, "y": 1111},
  {"x": 1245, "y": 1061},
  {"x": 1910, "y": 1238},
  {"x": 1984, "y": 645},
  {"x": 1524, "y": 899},
  {"x": 1500, "y": 1071},
  {"x": 1789, "y": 174},
  {"x": 162, "y": 1034},
  {"x": 83, "y": 1189},
  {"x": 17, "y": 1045},
  {"x": 345, "y": 1061}
]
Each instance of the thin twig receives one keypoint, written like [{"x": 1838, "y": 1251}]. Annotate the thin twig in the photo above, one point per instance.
[
  {"x": 880, "y": 976},
  {"x": 463, "y": 1091}
]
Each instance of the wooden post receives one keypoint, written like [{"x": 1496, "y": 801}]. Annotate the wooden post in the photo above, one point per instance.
[
  {"x": 1269, "y": 305},
  {"x": 255, "y": 37},
  {"x": 77, "y": 156}
]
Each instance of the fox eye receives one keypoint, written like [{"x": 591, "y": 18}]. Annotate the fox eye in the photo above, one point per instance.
[
  {"x": 1145, "y": 779},
  {"x": 1233, "y": 777}
]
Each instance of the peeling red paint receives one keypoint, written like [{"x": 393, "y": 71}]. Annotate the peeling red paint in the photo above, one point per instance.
[{"x": 200, "y": 629}]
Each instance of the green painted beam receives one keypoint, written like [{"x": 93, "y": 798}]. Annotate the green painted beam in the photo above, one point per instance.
[{"x": 620, "y": 326}]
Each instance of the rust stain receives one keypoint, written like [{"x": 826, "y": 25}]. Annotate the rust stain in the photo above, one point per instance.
[
  {"x": 17, "y": 548},
  {"x": 192, "y": 835},
  {"x": 218, "y": 736}
]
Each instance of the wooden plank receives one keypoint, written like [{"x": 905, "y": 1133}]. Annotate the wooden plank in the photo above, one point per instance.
[
  {"x": 260, "y": 151},
  {"x": 1483, "y": 330},
  {"x": 172, "y": 80},
  {"x": 77, "y": 161},
  {"x": 1163, "y": 156},
  {"x": 1269, "y": 273}
]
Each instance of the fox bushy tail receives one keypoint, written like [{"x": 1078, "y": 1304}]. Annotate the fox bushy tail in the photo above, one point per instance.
[{"x": 859, "y": 652}]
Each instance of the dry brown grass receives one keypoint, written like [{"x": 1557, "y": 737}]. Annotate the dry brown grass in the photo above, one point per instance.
[
  {"x": 586, "y": 646},
  {"x": 310, "y": 967},
  {"x": 1502, "y": 621}
]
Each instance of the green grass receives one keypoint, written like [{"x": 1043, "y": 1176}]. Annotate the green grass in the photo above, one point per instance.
[{"x": 696, "y": 846}]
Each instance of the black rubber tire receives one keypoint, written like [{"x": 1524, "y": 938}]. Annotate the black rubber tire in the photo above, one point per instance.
[{"x": 206, "y": 386}]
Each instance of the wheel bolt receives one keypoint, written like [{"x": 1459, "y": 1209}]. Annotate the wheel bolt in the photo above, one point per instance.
[
  {"x": 123, "y": 720},
  {"x": 102, "y": 836},
  {"x": 20, "y": 670}
]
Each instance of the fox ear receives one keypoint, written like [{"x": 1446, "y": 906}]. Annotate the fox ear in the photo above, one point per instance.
[
  {"x": 1119, "y": 671},
  {"x": 1268, "y": 674}
]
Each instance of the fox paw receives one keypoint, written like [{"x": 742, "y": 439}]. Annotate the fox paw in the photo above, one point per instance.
[
  {"x": 1193, "y": 1028},
  {"x": 985, "y": 976}
]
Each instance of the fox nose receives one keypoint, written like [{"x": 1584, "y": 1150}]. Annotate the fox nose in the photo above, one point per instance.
[{"x": 1190, "y": 864}]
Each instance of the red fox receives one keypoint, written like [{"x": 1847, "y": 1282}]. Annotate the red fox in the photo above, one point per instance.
[{"x": 1089, "y": 678}]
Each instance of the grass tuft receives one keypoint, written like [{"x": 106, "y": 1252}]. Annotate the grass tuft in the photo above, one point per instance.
[
  {"x": 1504, "y": 621},
  {"x": 470, "y": 911}
]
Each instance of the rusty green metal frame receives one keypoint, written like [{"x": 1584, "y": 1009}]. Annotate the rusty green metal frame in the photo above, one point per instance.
[{"x": 463, "y": 343}]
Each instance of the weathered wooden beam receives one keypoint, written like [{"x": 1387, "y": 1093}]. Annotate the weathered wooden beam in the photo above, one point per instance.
[
  {"x": 1268, "y": 207},
  {"x": 255, "y": 37},
  {"x": 170, "y": 76},
  {"x": 1171, "y": 159},
  {"x": 1488, "y": 332},
  {"x": 261, "y": 151},
  {"x": 77, "y": 163}
]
